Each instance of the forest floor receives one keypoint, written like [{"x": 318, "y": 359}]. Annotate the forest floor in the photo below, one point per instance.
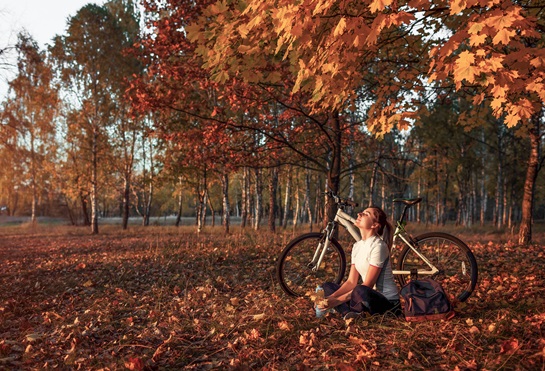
[{"x": 159, "y": 298}]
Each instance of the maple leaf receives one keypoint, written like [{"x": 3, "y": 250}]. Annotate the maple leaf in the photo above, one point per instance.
[
  {"x": 537, "y": 62},
  {"x": 499, "y": 91},
  {"x": 134, "y": 364},
  {"x": 464, "y": 69},
  {"x": 509, "y": 346},
  {"x": 503, "y": 36},
  {"x": 476, "y": 40},
  {"x": 512, "y": 119},
  {"x": 341, "y": 26},
  {"x": 475, "y": 28},
  {"x": 497, "y": 104},
  {"x": 478, "y": 99},
  {"x": 456, "y": 6},
  {"x": 377, "y": 5}
]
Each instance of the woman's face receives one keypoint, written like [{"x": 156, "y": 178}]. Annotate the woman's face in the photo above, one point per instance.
[{"x": 367, "y": 219}]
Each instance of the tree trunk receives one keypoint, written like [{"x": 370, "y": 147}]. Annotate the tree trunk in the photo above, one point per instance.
[
  {"x": 126, "y": 203},
  {"x": 334, "y": 173},
  {"x": 484, "y": 197},
  {"x": 306, "y": 203},
  {"x": 525, "y": 231},
  {"x": 287, "y": 199},
  {"x": 33, "y": 180},
  {"x": 226, "y": 221},
  {"x": 201, "y": 203},
  {"x": 180, "y": 204},
  {"x": 372, "y": 184},
  {"x": 147, "y": 207},
  {"x": 258, "y": 199},
  {"x": 273, "y": 185},
  {"x": 94, "y": 181},
  {"x": 245, "y": 199},
  {"x": 498, "y": 213},
  {"x": 296, "y": 209}
]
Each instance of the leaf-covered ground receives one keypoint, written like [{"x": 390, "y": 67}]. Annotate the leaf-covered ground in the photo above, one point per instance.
[{"x": 164, "y": 298}]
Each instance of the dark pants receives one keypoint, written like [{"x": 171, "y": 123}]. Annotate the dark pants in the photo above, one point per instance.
[{"x": 364, "y": 299}]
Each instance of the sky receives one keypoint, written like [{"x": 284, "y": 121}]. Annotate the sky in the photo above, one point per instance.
[{"x": 43, "y": 19}]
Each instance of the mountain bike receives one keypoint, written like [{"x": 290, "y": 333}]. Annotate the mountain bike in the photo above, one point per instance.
[{"x": 314, "y": 258}]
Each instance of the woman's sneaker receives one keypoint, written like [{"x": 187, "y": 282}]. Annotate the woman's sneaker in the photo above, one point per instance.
[{"x": 352, "y": 315}]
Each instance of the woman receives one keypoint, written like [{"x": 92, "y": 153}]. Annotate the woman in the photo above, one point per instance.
[{"x": 370, "y": 260}]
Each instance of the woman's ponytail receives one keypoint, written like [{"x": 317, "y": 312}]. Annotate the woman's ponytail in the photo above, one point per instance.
[{"x": 385, "y": 230}]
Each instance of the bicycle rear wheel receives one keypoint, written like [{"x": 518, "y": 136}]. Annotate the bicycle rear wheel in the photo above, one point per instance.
[
  {"x": 456, "y": 263},
  {"x": 294, "y": 268}
]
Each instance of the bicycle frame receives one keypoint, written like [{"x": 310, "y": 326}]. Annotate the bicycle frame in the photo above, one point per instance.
[
  {"x": 401, "y": 233},
  {"x": 343, "y": 219}
]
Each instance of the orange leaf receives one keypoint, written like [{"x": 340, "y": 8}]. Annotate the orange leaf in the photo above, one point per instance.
[
  {"x": 503, "y": 36},
  {"x": 456, "y": 6},
  {"x": 509, "y": 346},
  {"x": 377, "y": 5},
  {"x": 475, "y": 40}
]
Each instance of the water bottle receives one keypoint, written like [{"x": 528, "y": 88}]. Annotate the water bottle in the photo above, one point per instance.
[{"x": 319, "y": 298}]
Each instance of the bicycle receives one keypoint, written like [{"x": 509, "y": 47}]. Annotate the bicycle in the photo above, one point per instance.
[{"x": 317, "y": 257}]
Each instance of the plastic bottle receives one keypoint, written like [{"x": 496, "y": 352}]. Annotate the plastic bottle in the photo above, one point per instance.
[{"x": 319, "y": 298}]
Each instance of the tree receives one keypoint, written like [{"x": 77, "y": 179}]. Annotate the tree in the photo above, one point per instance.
[
  {"x": 491, "y": 51},
  {"x": 94, "y": 65},
  {"x": 30, "y": 112}
]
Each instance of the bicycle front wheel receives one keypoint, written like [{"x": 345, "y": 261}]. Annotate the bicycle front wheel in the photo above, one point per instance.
[
  {"x": 456, "y": 263},
  {"x": 294, "y": 269}
]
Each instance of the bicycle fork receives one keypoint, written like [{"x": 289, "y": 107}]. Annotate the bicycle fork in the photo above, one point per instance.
[{"x": 322, "y": 247}]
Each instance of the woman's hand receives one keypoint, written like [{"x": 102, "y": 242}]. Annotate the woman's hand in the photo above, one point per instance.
[{"x": 333, "y": 302}]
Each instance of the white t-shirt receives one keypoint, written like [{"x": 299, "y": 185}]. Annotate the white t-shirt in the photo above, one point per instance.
[{"x": 374, "y": 251}]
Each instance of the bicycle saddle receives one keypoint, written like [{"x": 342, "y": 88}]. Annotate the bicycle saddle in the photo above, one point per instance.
[{"x": 408, "y": 201}]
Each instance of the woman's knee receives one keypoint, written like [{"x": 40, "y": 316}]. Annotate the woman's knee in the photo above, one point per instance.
[
  {"x": 330, "y": 288},
  {"x": 361, "y": 292}
]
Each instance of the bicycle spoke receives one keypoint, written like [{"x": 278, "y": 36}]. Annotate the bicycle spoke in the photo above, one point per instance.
[
  {"x": 455, "y": 262},
  {"x": 295, "y": 268}
]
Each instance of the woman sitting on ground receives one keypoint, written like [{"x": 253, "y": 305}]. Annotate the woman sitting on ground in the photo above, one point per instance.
[{"x": 371, "y": 260}]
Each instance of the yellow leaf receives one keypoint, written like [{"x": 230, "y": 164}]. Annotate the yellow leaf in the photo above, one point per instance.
[
  {"x": 244, "y": 49},
  {"x": 377, "y": 5},
  {"x": 537, "y": 62},
  {"x": 512, "y": 120},
  {"x": 465, "y": 73},
  {"x": 33, "y": 337},
  {"x": 474, "y": 330},
  {"x": 478, "y": 99},
  {"x": 465, "y": 59},
  {"x": 243, "y": 30},
  {"x": 497, "y": 104},
  {"x": 341, "y": 26},
  {"x": 88, "y": 284},
  {"x": 499, "y": 91},
  {"x": 464, "y": 69},
  {"x": 456, "y": 6},
  {"x": 475, "y": 40},
  {"x": 475, "y": 28},
  {"x": 284, "y": 325},
  {"x": 258, "y": 317},
  {"x": 503, "y": 36}
]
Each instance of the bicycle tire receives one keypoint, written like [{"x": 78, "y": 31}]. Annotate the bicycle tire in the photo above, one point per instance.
[
  {"x": 457, "y": 265},
  {"x": 295, "y": 276}
]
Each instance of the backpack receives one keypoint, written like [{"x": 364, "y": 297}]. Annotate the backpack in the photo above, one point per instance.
[{"x": 425, "y": 300}]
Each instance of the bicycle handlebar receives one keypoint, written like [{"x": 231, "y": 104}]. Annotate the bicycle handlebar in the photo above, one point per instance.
[{"x": 341, "y": 201}]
